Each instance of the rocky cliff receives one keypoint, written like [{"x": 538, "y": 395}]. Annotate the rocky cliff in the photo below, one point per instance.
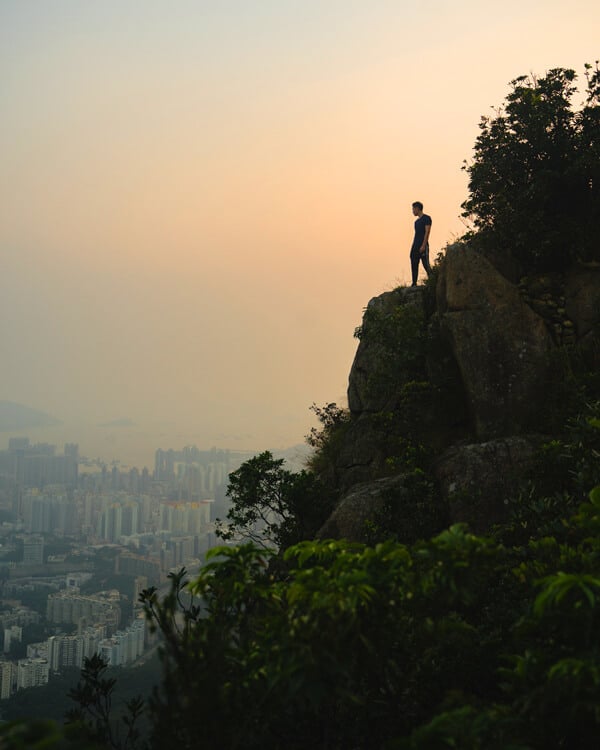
[{"x": 453, "y": 389}]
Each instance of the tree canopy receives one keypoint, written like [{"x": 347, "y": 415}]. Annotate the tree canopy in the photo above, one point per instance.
[
  {"x": 534, "y": 180},
  {"x": 272, "y": 506}
]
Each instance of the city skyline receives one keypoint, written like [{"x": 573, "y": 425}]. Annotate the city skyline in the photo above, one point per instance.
[{"x": 134, "y": 447}]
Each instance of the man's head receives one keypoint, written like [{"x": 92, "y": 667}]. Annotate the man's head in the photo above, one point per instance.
[{"x": 417, "y": 208}]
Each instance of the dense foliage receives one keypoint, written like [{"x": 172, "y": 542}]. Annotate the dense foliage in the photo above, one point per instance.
[
  {"x": 455, "y": 641},
  {"x": 463, "y": 641},
  {"x": 534, "y": 180}
]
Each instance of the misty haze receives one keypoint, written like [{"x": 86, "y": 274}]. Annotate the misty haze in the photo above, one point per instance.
[{"x": 299, "y": 375}]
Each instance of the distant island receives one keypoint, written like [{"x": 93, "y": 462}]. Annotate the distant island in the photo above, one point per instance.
[{"x": 18, "y": 417}]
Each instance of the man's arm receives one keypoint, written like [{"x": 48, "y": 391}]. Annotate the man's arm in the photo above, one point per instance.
[{"x": 426, "y": 238}]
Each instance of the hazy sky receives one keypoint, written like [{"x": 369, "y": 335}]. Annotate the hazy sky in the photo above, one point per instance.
[{"x": 197, "y": 199}]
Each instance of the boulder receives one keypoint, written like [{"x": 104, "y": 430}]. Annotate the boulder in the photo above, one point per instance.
[
  {"x": 477, "y": 480},
  {"x": 362, "y": 454},
  {"x": 499, "y": 343},
  {"x": 371, "y": 351},
  {"x": 504, "y": 262},
  {"x": 370, "y": 511},
  {"x": 582, "y": 295},
  {"x": 358, "y": 509}
]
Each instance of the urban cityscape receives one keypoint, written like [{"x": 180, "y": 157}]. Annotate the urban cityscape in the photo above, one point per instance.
[{"x": 80, "y": 540}]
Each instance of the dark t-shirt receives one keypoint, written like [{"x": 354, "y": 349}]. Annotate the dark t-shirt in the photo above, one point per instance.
[{"x": 420, "y": 224}]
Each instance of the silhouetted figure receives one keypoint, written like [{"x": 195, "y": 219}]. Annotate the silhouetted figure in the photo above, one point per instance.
[{"x": 420, "y": 246}]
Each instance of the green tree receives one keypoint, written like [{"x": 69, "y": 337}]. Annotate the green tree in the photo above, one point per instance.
[
  {"x": 456, "y": 641},
  {"x": 534, "y": 180},
  {"x": 348, "y": 648},
  {"x": 273, "y": 506},
  {"x": 92, "y": 718}
]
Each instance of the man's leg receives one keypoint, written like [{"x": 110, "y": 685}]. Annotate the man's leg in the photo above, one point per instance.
[
  {"x": 425, "y": 261},
  {"x": 414, "y": 265}
]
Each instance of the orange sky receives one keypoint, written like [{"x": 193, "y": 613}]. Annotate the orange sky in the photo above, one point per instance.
[{"x": 198, "y": 200}]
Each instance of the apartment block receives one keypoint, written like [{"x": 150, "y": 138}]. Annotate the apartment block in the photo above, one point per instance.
[
  {"x": 32, "y": 673},
  {"x": 71, "y": 607}
]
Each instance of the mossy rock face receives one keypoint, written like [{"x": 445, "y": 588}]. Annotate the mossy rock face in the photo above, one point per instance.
[
  {"x": 450, "y": 379},
  {"x": 390, "y": 352},
  {"x": 582, "y": 295},
  {"x": 484, "y": 352},
  {"x": 499, "y": 343},
  {"x": 477, "y": 480},
  {"x": 405, "y": 507},
  {"x": 404, "y": 383}
]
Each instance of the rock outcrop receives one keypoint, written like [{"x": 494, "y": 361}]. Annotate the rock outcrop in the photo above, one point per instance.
[
  {"x": 372, "y": 350},
  {"x": 476, "y": 479},
  {"x": 582, "y": 305},
  {"x": 395, "y": 502},
  {"x": 362, "y": 508},
  {"x": 463, "y": 373},
  {"x": 501, "y": 346}
]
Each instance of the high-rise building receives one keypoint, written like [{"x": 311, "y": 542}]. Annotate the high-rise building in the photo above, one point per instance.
[
  {"x": 38, "y": 465},
  {"x": 11, "y": 635},
  {"x": 126, "y": 645},
  {"x": 71, "y": 650},
  {"x": 129, "y": 522},
  {"x": 33, "y": 550},
  {"x": 32, "y": 672},
  {"x": 7, "y": 679},
  {"x": 128, "y": 563},
  {"x": 71, "y": 607},
  {"x": 185, "y": 517},
  {"x": 140, "y": 583},
  {"x": 18, "y": 443}
]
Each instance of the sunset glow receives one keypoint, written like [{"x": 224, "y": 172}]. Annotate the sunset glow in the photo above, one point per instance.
[{"x": 198, "y": 199}]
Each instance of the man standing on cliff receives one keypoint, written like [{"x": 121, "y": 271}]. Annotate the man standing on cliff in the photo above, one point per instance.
[{"x": 420, "y": 246}]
